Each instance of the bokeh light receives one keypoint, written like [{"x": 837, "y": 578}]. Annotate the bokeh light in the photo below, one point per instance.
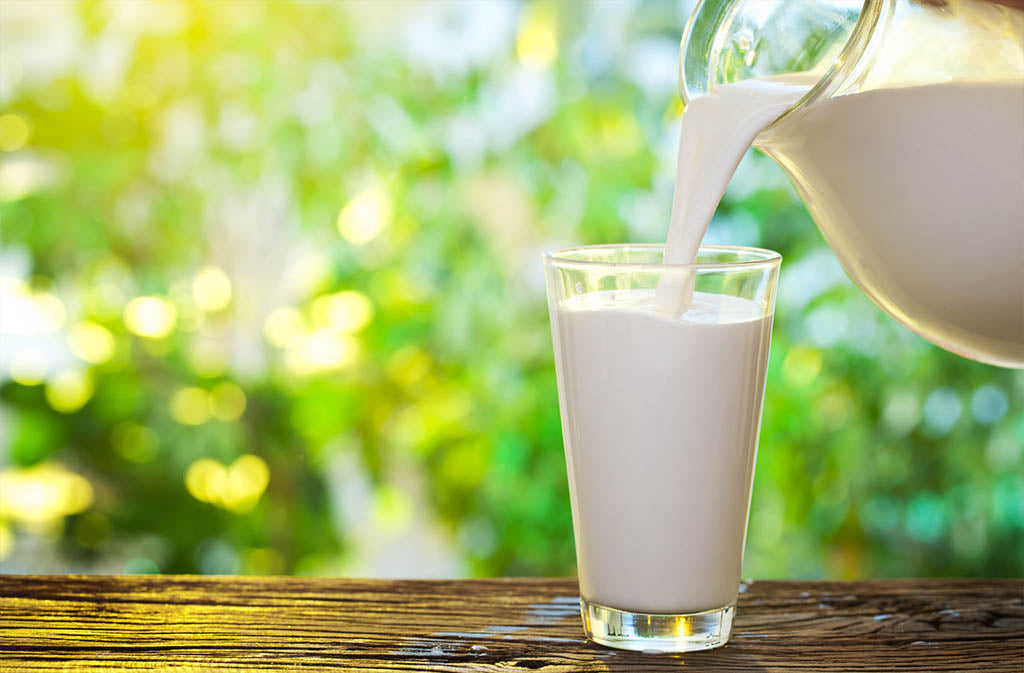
[
  {"x": 43, "y": 494},
  {"x": 24, "y": 175},
  {"x": 28, "y": 366},
  {"x": 208, "y": 357},
  {"x": 365, "y": 216},
  {"x": 69, "y": 390},
  {"x": 323, "y": 350},
  {"x": 211, "y": 289},
  {"x": 284, "y": 327},
  {"x": 30, "y": 312},
  {"x": 227, "y": 401},
  {"x": 236, "y": 487},
  {"x": 190, "y": 405},
  {"x": 14, "y": 132},
  {"x": 989, "y": 404},
  {"x": 537, "y": 43},
  {"x": 134, "y": 442},
  {"x": 347, "y": 311},
  {"x": 152, "y": 317},
  {"x": 802, "y": 365},
  {"x": 91, "y": 342}
]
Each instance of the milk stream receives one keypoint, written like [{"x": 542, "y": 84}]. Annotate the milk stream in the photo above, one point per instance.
[{"x": 717, "y": 131}]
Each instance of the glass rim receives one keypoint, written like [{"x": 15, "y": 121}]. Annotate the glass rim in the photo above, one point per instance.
[{"x": 759, "y": 257}]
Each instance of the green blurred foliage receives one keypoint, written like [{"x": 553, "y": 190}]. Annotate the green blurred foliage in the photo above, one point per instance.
[{"x": 419, "y": 156}]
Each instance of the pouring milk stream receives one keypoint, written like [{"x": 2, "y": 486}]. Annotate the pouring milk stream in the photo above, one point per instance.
[
  {"x": 969, "y": 135},
  {"x": 717, "y": 131}
]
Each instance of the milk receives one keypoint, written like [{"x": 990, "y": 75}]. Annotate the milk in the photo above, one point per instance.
[
  {"x": 920, "y": 192},
  {"x": 660, "y": 422}
]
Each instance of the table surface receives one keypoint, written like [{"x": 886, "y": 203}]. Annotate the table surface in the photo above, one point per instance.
[{"x": 92, "y": 623}]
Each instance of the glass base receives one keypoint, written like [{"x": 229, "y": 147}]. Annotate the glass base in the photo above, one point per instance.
[{"x": 657, "y": 633}]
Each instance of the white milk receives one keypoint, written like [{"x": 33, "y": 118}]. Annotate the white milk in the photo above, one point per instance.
[
  {"x": 660, "y": 421},
  {"x": 920, "y": 193}
]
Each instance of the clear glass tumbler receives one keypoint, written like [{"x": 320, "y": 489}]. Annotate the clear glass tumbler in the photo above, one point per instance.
[{"x": 660, "y": 419}]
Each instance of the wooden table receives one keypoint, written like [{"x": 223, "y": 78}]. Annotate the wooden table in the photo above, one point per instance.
[{"x": 276, "y": 624}]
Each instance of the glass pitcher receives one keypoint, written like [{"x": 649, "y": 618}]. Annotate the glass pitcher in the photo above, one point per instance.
[{"x": 908, "y": 151}]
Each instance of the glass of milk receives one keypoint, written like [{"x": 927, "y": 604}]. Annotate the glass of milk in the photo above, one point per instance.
[{"x": 660, "y": 418}]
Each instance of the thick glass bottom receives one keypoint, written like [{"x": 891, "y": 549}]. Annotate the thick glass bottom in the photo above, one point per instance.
[{"x": 657, "y": 633}]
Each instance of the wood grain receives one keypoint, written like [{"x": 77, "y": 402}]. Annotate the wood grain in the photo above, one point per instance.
[{"x": 99, "y": 623}]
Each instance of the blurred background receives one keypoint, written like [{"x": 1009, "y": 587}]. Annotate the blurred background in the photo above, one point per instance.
[{"x": 271, "y": 301}]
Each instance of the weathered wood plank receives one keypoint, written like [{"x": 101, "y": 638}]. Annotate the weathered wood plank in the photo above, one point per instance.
[{"x": 231, "y": 624}]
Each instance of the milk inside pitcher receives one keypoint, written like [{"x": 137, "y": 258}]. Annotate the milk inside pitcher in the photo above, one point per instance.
[{"x": 908, "y": 151}]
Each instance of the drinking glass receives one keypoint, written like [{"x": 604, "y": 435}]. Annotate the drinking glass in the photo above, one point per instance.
[{"x": 660, "y": 418}]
